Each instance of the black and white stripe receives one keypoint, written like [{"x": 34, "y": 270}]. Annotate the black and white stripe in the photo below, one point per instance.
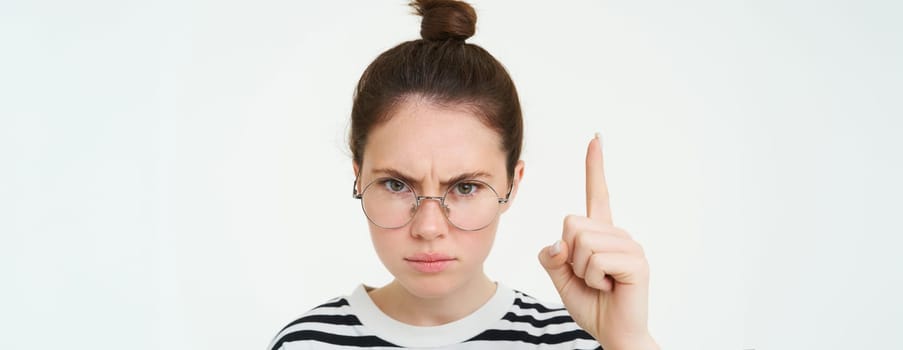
[
  {"x": 528, "y": 324},
  {"x": 331, "y": 323}
]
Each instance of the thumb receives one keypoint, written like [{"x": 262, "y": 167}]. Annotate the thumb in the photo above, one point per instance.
[{"x": 554, "y": 259}]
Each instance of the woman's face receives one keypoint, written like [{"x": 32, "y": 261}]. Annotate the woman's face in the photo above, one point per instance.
[{"x": 429, "y": 145}]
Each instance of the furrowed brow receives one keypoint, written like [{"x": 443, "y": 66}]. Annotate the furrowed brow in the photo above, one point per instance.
[
  {"x": 445, "y": 183},
  {"x": 396, "y": 174},
  {"x": 466, "y": 176}
]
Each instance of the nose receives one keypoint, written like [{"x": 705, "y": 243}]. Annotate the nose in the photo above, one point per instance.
[{"x": 429, "y": 221}]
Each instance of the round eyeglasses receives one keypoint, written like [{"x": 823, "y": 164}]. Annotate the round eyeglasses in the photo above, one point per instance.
[{"x": 469, "y": 205}]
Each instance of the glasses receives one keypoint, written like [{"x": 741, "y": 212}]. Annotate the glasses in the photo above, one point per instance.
[{"x": 469, "y": 205}]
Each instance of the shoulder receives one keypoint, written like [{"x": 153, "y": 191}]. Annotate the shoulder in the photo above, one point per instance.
[
  {"x": 544, "y": 324},
  {"x": 332, "y": 322}
]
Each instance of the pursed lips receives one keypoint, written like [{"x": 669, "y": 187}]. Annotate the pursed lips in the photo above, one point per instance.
[
  {"x": 430, "y": 262},
  {"x": 429, "y": 257}
]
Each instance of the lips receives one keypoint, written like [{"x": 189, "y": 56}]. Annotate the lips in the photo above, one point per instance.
[{"x": 430, "y": 262}]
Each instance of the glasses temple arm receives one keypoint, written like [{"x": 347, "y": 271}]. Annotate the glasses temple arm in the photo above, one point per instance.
[
  {"x": 354, "y": 189},
  {"x": 507, "y": 195}
]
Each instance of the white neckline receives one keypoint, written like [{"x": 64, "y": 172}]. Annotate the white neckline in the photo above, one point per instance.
[{"x": 405, "y": 335}]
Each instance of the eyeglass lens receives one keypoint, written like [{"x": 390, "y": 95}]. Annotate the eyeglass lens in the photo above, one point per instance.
[{"x": 391, "y": 203}]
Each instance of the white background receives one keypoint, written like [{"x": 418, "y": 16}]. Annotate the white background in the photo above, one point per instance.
[{"x": 175, "y": 175}]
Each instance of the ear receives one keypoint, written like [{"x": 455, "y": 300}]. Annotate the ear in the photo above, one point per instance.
[
  {"x": 518, "y": 175},
  {"x": 357, "y": 171}
]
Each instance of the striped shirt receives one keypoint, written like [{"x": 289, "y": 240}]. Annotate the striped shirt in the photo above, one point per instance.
[{"x": 509, "y": 320}]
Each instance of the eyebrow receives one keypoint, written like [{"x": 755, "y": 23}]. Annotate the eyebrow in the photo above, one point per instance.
[{"x": 410, "y": 179}]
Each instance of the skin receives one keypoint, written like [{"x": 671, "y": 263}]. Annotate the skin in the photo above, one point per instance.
[
  {"x": 600, "y": 272},
  {"x": 424, "y": 142}
]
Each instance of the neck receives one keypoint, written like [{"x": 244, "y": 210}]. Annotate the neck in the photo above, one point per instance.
[{"x": 396, "y": 302}]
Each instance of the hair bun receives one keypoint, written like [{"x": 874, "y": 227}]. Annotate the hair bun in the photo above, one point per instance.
[{"x": 445, "y": 19}]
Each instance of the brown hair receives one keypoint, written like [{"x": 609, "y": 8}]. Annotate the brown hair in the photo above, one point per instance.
[{"x": 442, "y": 69}]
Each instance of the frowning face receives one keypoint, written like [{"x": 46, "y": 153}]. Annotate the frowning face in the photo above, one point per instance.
[{"x": 429, "y": 150}]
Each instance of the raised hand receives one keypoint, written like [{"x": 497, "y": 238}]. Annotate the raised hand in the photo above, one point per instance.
[{"x": 600, "y": 272}]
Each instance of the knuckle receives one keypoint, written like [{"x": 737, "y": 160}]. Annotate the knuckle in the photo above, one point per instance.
[
  {"x": 620, "y": 231},
  {"x": 598, "y": 261},
  {"x": 641, "y": 266},
  {"x": 595, "y": 274},
  {"x": 640, "y": 249},
  {"x": 579, "y": 271},
  {"x": 581, "y": 239},
  {"x": 570, "y": 223},
  {"x": 595, "y": 281},
  {"x": 635, "y": 247}
]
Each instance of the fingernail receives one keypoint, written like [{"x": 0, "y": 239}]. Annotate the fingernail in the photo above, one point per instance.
[
  {"x": 555, "y": 248},
  {"x": 599, "y": 137}
]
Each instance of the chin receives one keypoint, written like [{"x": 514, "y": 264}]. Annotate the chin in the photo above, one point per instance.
[{"x": 429, "y": 287}]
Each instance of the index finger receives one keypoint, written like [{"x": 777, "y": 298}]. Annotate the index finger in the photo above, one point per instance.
[{"x": 597, "y": 205}]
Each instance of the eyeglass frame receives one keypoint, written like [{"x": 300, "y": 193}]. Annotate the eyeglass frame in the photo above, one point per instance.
[{"x": 418, "y": 199}]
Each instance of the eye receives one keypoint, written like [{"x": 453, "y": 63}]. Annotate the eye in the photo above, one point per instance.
[
  {"x": 394, "y": 185},
  {"x": 466, "y": 188}
]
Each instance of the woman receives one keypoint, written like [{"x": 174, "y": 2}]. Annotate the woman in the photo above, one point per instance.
[{"x": 436, "y": 135}]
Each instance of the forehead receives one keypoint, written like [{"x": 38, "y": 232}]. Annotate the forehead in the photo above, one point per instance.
[{"x": 428, "y": 140}]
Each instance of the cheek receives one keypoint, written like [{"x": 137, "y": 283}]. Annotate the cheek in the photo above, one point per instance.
[
  {"x": 478, "y": 244},
  {"x": 386, "y": 242}
]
